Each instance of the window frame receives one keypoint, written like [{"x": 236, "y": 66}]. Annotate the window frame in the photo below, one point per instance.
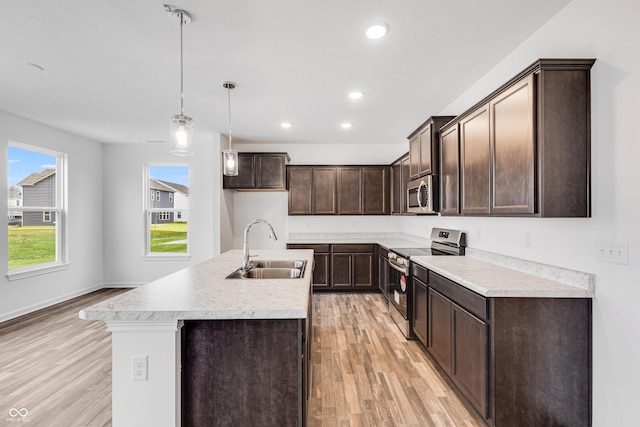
[
  {"x": 59, "y": 211},
  {"x": 149, "y": 210}
]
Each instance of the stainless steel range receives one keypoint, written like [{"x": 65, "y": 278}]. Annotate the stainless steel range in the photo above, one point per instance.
[{"x": 444, "y": 242}]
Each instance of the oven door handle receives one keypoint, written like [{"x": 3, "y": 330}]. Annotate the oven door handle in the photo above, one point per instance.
[{"x": 404, "y": 271}]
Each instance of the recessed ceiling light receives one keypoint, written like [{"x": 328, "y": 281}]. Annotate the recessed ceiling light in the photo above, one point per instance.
[
  {"x": 356, "y": 94},
  {"x": 286, "y": 125},
  {"x": 377, "y": 30},
  {"x": 346, "y": 125}
]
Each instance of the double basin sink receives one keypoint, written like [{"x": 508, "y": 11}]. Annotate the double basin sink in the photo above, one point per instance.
[{"x": 277, "y": 269}]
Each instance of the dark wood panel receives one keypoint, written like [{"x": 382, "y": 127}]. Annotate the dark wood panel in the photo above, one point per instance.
[
  {"x": 324, "y": 191},
  {"x": 300, "y": 184},
  {"x": 363, "y": 270},
  {"x": 272, "y": 169},
  {"x": 414, "y": 157},
  {"x": 426, "y": 157},
  {"x": 350, "y": 191},
  {"x": 322, "y": 248},
  {"x": 405, "y": 183},
  {"x": 242, "y": 373},
  {"x": 450, "y": 172},
  {"x": 475, "y": 161},
  {"x": 420, "y": 310},
  {"x": 353, "y": 248},
  {"x": 341, "y": 273},
  {"x": 542, "y": 361},
  {"x": 321, "y": 270},
  {"x": 513, "y": 150},
  {"x": 396, "y": 188},
  {"x": 439, "y": 341},
  {"x": 246, "y": 177},
  {"x": 375, "y": 190},
  {"x": 475, "y": 303},
  {"x": 470, "y": 358}
]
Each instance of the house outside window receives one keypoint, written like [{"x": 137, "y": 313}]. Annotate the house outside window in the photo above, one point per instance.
[
  {"x": 37, "y": 210},
  {"x": 166, "y": 219}
]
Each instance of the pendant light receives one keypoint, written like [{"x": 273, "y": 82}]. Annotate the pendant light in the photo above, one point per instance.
[
  {"x": 181, "y": 126},
  {"x": 230, "y": 156}
]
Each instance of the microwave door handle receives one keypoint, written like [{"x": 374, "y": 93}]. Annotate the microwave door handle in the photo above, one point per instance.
[{"x": 419, "y": 192}]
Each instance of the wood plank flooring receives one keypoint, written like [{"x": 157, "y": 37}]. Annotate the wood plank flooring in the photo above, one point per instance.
[
  {"x": 365, "y": 373},
  {"x": 57, "y": 366}
]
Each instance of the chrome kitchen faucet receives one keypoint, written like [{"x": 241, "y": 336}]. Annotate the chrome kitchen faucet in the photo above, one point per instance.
[{"x": 245, "y": 248}]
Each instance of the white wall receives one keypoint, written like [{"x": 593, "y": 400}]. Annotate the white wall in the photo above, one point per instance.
[
  {"x": 124, "y": 231},
  {"x": 609, "y": 32},
  {"x": 85, "y": 219}
]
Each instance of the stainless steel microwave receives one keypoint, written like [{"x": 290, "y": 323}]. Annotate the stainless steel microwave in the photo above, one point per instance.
[{"x": 422, "y": 195}]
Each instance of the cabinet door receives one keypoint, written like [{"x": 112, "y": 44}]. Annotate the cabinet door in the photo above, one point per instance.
[
  {"x": 321, "y": 270},
  {"x": 300, "y": 180},
  {"x": 350, "y": 191},
  {"x": 450, "y": 172},
  {"x": 363, "y": 270},
  {"x": 324, "y": 191},
  {"x": 375, "y": 188},
  {"x": 420, "y": 310},
  {"x": 397, "y": 197},
  {"x": 341, "y": 273},
  {"x": 246, "y": 177},
  {"x": 405, "y": 183},
  {"x": 513, "y": 150},
  {"x": 271, "y": 171},
  {"x": 426, "y": 152},
  {"x": 475, "y": 161},
  {"x": 383, "y": 274},
  {"x": 439, "y": 327},
  {"x": 470, "y": 355},
  {"x": 414, "y": 157}
]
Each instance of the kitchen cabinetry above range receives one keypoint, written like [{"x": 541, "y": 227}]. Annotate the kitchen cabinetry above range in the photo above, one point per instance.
[
  {"x": 423, "y": 147},
  {"x": 399, "y": 179},
  {"x": 259, "y": 171},
  {"x": 338, "y": 190},
  {"x": 525, "y": 149}
]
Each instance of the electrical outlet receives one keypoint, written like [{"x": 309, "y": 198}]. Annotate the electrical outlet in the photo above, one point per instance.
[
  {"x": 139, "y": 366},
  {"x": 615, "y": 252}
]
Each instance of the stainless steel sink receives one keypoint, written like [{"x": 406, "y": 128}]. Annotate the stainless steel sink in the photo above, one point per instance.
[
  {"x": 279, "y": 269},
  {"x": 279, "y": 264}
]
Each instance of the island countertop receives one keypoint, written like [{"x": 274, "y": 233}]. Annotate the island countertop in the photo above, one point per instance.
[{"x": 203, "y": 292}]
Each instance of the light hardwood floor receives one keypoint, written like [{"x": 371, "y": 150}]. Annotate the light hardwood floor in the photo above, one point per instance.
[{"x": 365, "y": 373}]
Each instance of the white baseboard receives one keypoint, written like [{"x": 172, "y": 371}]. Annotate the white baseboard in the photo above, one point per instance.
[{"x": 62, "y": 298}]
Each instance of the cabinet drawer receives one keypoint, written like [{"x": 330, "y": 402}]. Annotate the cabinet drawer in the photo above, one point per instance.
[
  {"x": 383, "y": 252},
  {"x": 353, "y": 249},
  {"x": 420, "y": 272},
  {"x": 316, "y": 248},
  {"x": 474, "y": 303}
]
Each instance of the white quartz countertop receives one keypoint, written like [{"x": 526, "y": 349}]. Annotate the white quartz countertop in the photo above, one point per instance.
[
  {"x": 491, "y": 280},
  {"x": 203, "y": 292}
]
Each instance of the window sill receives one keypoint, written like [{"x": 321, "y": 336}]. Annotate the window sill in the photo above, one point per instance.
[
  {"x": 26, "y": 272},
  {"x": 166, "y": 257}
]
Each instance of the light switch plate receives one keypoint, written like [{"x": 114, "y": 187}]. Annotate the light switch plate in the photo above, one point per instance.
[{"x": 614, "y": 252}]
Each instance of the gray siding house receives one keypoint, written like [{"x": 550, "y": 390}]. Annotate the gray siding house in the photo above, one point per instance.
[
  {"x": 39, "y": 189},
  {"x": 163, "y": 195}
]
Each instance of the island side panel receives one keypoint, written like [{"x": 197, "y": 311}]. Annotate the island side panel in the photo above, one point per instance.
[
  {"x": 542, "y": 350},
  {"x": 242, "y": 372}
]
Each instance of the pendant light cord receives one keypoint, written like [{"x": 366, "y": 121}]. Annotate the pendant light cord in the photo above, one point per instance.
[
  {"x": 229, "y": 105},
  {"x": 181, "y": 68}
]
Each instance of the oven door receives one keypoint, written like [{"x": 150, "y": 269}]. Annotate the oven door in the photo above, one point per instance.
[{"x": 398, "y": 290}]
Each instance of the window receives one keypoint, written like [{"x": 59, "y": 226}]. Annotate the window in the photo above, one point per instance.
[
  {"x": 37, "y": 225},
  {"x": 167, "y": 222}
]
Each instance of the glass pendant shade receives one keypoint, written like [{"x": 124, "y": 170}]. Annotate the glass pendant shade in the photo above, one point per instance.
[
  {"x": 181, "y": 138},
  {"x": 230, "y": 160}
]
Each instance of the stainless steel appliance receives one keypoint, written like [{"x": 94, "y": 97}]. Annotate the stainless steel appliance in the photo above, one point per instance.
[
  {"x": 422, "y": 196},
  {"x": 443, "y": 242}
]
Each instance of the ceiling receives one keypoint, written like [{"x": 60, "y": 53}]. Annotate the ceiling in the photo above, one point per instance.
[{"x": 112, "y": 68}]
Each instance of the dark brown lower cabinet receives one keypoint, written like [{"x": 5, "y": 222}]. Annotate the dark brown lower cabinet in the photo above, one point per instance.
[
  {"x": 420, "y": 310},
  {"x": 352, "y": 266},
  {"x": 383, "y": 271},
  {"x": 321, "y": 262},
  {"x": 522, "y": 362}
]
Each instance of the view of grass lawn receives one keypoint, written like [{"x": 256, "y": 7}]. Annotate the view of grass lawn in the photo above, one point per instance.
[
  {"x": 161, "y": 237},
  {"x": 31, "y": 245}
]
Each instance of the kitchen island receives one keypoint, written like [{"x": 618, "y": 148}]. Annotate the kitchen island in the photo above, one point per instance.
[{"x": 188, "y": 346}]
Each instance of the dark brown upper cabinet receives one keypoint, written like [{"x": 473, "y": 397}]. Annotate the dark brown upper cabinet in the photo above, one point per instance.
[
  {"x": 398, "y": 185},
  {"x": 525, "y": 150},
  {"x": 450, "y": 172},
  {"x": 259, "y": 171},
  {"x": 338, "y": 190},
  {"x": 423, "y": 147}
]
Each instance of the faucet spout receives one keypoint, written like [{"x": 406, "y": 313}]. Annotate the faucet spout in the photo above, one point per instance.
[{"x": 245, "y": 247}]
